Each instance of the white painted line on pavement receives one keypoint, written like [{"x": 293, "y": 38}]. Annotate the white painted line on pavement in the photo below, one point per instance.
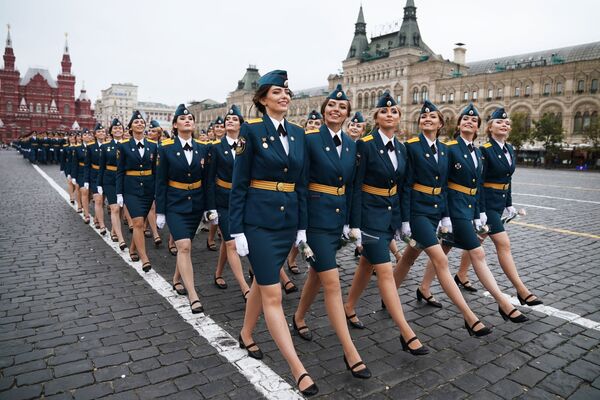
[
  {"x": 555, "y": 312},
  {"x": 531, "y": 205},
  {"x": 557, "y": 198},
  {"x": 556, "y": 186},
  {"x": 261, "y": 376}
]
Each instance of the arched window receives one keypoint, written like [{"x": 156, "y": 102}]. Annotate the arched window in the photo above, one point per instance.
[
  {"x": 594, "y": 87},
  {"x": 451, "y": 97},
  {"x": 465, "y": 96},
  {"x": 38, "y": 108},
  {"x": 594, "y": 119},
  {"x": 559, "y": 88},
  {"x": 443, "y": 97},
  {"x": 415, "y": 98},
  {"x": 67, "y": 109},
  {"x": 9, "y": 106},
  {"x": 474, "y": 95},
  {"x": 424, "y": 93},
  {"x": 517, "y": 91},
  {"x": 527, "y": 91},
  {"x": 500, "y": 93},
  {"x": 580, "y": 86},
  {"x": 547, "y": 89},
  {"x": 586, "y": 120},
  {"x": 359, "y": 100},
  {"x": 490, "y": 93},
  {"x": 578, "y": 123}
]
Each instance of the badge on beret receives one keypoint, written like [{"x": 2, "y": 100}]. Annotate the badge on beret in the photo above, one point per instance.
[
  {"x": 427, "y": 109},
  {"x": 230, "y": 111},
  {"x": 458, "y": 165},
  {"x": 285, "y": 83},
  {"x": 185, "y": 112},
  {"x": 471, "y": 112},
  {"x": 504, "y": 115},
  {"x": 338, "y": 95},
  {"x": 389, "y": 103},
  {"x": 242, "y": 146}
]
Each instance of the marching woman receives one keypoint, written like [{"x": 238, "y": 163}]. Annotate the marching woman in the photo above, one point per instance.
[
  {"x": 65, "y": 164},
  {"x": 136, "y": 168},
  {"x": 330, "y": 165},
  {"x": 465, "y": 167},
  {"x": 357, "y": 126},
  {"x": 426, "y": 200},
  {"x": 180, "y": 196},
  {"x": 499, "y": 162},
  {"x": 376, "y": 211},
  {"x": 266, "y": 206},
  {"x": 94, "y": 154},
  {"x": 222, "y": 158},
  {"x": 107, "y": 179},
  {"x": 80, "y": 166}
]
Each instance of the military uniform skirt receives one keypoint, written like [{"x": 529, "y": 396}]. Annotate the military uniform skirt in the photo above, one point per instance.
[
  {"x": 110, "y": 191},
  {"x": 183, "y": 225},
  {"x": 424, "y": 230},
  {"x": 377, "y": 251},
  {"x": 324, "y": 244},
  {"x": 465, "y": 236},
  {"x": 494, "y": 220},
  {"x": 80, "y": 177},
  {"x": 224, "y": 223},
  {"x": 268, "y": 250},
  {"x": 94, "y": 181},
  {"x": 138, "y": 206}
]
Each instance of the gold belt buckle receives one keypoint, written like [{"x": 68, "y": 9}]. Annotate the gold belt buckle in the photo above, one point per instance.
[
  {"x": 279, "y": 186},
  {"x": 189, "y": 186}
]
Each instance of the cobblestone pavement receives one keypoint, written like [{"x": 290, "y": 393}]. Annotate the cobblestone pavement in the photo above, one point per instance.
[{"x": 76, "y": 321}]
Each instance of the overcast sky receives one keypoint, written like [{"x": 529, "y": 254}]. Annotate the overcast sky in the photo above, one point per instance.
[{"x": 176, "y": 50}]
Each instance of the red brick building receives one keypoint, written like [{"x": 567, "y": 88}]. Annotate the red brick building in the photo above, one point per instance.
[{"x": 39, "y": 102}]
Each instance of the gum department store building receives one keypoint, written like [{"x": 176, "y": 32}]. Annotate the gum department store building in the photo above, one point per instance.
[{"x": 563, "y": 82}]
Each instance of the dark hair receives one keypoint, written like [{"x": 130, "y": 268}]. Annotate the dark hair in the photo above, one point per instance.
[
  {"x": 441, "y": 117},
  {"x": 457, "y": 130},
  {"x": 173, "y": 129},
  {"x": 324, "y": 104},
  {"x": 234, "y": 115},
  {"x": 262, "y": 93}
]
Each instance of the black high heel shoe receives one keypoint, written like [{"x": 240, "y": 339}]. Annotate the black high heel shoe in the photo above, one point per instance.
[
  {"x": 517, "y": 320},
  {"x": 309, "y": 391},
  {"x": 525, "y": 301},
  {"x": 302, "y": 331},
  {"x": 256, "y": 354},
  {"x": 355, "y": 324},
  {"x": 364, "y": 373},
  {"x": 481, "y": 332},
  {"x": 429, "y": 300},
  {"x": 146, "y": 267},
  {"x": 196, "y": 310},
  {"x": 421, "y": 351},
  {"x": 465, "y": 285}
]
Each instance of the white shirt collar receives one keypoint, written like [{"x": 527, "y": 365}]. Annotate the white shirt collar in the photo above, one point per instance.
[
  {"x": 429, "y": 142},
  {"x": 277, "y": 123},
  {"x": 184, "y": 142},
  {"x": 338, "y": 133},
  {"x": 230, "y": 141},
  {"x": 499, "y": 144},
  {"x": 384, "y": 138},
  {"x": 466, "y": 141}
]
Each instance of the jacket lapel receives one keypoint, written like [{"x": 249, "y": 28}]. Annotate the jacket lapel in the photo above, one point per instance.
[
  {"x": 500, "y": 153},
  {"x": 329, "y": 147},
  {"x": 273, "y": 137},
  {"x": 428, "y": 154},
  {"x": 383, "y": 152},
  {"x": 466, "y": 153}
]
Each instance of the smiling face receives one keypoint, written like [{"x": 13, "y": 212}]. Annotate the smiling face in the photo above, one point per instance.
[
  {"x": 219, "y": 130},
  {"x": 356, "y": 129},
  {"x": 430, "y": 122},
  {"x": 499, "y": 128},
  {"x": 100, "y": 135},
  {"x": 335, "y": 112},
  {"x": 468, "y": 126},
  {"x": 277, "y": 100},
  {"x": 138, "y": 126},
  {"x": 388, "y": 117},
  {"x": 117, "y": 132},
  {"x": 155, "y": 133}
]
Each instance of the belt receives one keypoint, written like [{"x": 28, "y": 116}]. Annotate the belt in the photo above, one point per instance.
[
  {"x": 82, "y": 164},
  {"x": 334, "y": 190},
  {"x": 144, "y": 172},
  {"x": 497, "y": 186},
  {"x": 273, "y": 186},
  {"x": 379, "y": 191},
  {"x": 426, "y": 189},
  {"x": 185, "y": 186},
  {"x": 45, "y": 145},
  {"x": 94, "y": 166},
  {"x": 111, "y": 167},
  {"x": 223, "y": 184},
  {"x": 462, "y": 189}
]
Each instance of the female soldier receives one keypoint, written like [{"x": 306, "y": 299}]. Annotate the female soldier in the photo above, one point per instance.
[
  {"x": 65, "y": 162},
  {"x": 107, "y": 176},
  {"x": 266, "y": 202},
  {"x": 330, "y": 162},
  {"x": 382, "y": 165},
  {"x": 313, "y": 121},
  {"x": 357, "y": 126},
  {"x": 94, "y": 152},
  {"x": 180, "y": 196},
  {"x": 498, "y": 166},
  {"x": 222, "y": 157},
  {"x": 425, "y": 199},
  {"x": 136, "y": 166},
  {"x": 80, "y": 166},
  {"x": 463, "y": 197}
]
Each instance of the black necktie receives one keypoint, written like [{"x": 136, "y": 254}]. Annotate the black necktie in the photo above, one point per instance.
[
  {"x": 433, "y": 150},
  {"x": 470, "y": 147},
  {"x": 281, "y": 131},
  {"x": 233, "y": 145},
  {"x": 187, "y": 147},
  {"x": 389, "y": 146},
  {"x": 505, "y": 150},
  {"x": 337, "y": 140},
  {"x": 140, "y": 145}
]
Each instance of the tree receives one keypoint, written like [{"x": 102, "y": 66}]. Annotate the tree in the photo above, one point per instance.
[
  {"x": 549, "y": 131},
  {"x": 520, "y": 132},
  {"x": 592, "y": 133}
]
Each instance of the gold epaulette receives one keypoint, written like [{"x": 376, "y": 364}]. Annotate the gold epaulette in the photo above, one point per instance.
[
  {"x": 311, "y": 131},
  {"x": 66, "y": 145},
  {"x": 123, "y": 140},
  {"x": 254, "y": 120},
  {"x": 366, "y": 138},
  {"x": 293, "y": 123},
  {"x": 91, "y": 143},
  {"x": 76, "y": 145},
  {"x": 487, "y": 145},
  {"x": 201, "y": 142},
  {"x": 152, "y": 141},
  {"x": 450, "y": 143},
  {"x": 167, "y": 142},
  {"x": 413, "y": 140},
  {"x": 216, "y": 141}
]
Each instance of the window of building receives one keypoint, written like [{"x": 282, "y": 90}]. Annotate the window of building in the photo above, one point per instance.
[
  {"x": 443, "y": 97},
  {"x": 547, "y": 89},
  {"x": 424, "y": 94},
  {"x": 586, "y": 120},
  {"x": 399, "y": 99},
  {"x": 559, "y": 88},
  {"x": 527, "y": 91},
  {"x": 67, "y": 109},
  {"x": 517, "y": 91},
  {"x": 46, "y": 108},
  {"x": 38, "y": 108},
  {"x": 580, "y": 86},
  {"x": 490, "y": 93},
  {"x": 474, "y": 95},
  {"x": 415, "y": 96},
  {"x": 451, "y": 97},
  {"x": 466, "y": 96},
  {"x": 594, "y": 87},
  {"x": 9, "y": 106},
  {"x": 500, "y": 93},
  {"x": 578, "y": 123}
]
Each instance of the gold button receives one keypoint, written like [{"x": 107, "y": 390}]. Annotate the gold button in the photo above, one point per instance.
[
  {"x": 141, "y": 183},
  {"x": 389, "y": 207},
  {"x": 473, "y": 180},
  {"x": 189, "y": 197},
  {"x": 282, "y": 208},
  {"x": 141, "y": 166},
  {"x": 469, "y": 206},
  {"x": 437, "y": 177},
  {"x": 435, "y": 205},
  {"x": 337, "y": 210},
  {"x": 285, "y": 170},
  {"x": 340, "y": 178}
]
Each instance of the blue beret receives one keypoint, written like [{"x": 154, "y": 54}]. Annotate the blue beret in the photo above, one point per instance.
[
  {"x": 499, "y": 113},
  {"x": 428, "y": 107},
  {"x": 235, "y": 110},
  {"x": 338, "y": 94},
  {"x": 85, "y": 130},
  {"x": 219, "y": 121},
  {"x": 115, "y": 122},
  {"x": 314, "y": 114},
  {"x": 276, "y": 78},
  {"x": 210, "y": 126},
  {"x": 154, "y": 124},
  {"x": 98, "y": 126},
  {"x": 358, "y": 118},
  {"x": 136, "y": 115},
  {"x": 470, "y": 110},
  {"x": 386, "y": 100},
  {"x": 181, "y": 110}
]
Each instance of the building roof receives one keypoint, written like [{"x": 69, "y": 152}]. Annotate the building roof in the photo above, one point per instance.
[
  {"x": 249, "y": 81},
  {"x": 150, "y": 104},
  {"x": 32, "y": 72},
  {"x": 582, "y": 52},
  {"x": 310, "y": 92}
]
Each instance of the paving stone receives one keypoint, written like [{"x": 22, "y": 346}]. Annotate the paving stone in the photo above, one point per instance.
[
  {"x": 507, "y": 389},
  {"x": 585, "y": 392},
  {"x": 583, "y": 369},
  {"x": 67, "y": 383},
  {"x": 560, "y": 383},
  {"x": 164, "y": 373},
  {"x": 527, "y": 376},
  {"x": 94, "y": 391},
  {"x": 22, "y": 393}
]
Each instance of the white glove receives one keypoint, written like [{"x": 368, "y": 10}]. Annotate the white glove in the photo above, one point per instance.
[
  {"x": 346, "y": 231},
  {"x": 86, "y": 185},
  {"x": 120, "y": 200},
  {"x": 398, "y": 235},
  {"x": 241, "y": 244},
  {"x": 74, "y": 181},
  {"x": 300, "y": 237},
  {"x": 355, "y": 233},
  {"x": 160, "y": 221},
  {"x": 483, "y": 218},
  {"x": 406, "y": 229},
  {"x": 511, "y": 210},
  {"x": 100, "y": 191},
  {"x": 69, "y": 177},
  {"x": 215, "y": 215},
  {"x": 446, "y": 223},
  {"x": 478, "y": 224}
]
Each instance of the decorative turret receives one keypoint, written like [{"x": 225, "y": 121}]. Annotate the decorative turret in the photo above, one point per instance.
[
  {"x": 66, "y": 58},
  {"x": 9, "y": 56},
  {"x": 409, "y": 34},
  {"x": 360, "y": 43},
  {"x": 249, "y": 81}
]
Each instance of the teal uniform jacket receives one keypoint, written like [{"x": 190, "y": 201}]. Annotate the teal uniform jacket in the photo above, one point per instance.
[
  {"x": 33, "y": 149},
  {"x": 262, "y": 157},
  {"x": 108, "y": 157},
  {"x": 221, "y": 167},
  {"x": 497, "y": 170},
  {"x": 462, "y": 171},
  {"x": 79, "y": 164},
  {"x": 326, "y": 167},
  {"x": 172, "y": 165},
  {"x": 65, "y": 159},
  {"x": 424, "y": 170},
  {"x": 128, "y": 159},
  {"x": 94, "y": 154},
  {"x": 370, "y": 211}
]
